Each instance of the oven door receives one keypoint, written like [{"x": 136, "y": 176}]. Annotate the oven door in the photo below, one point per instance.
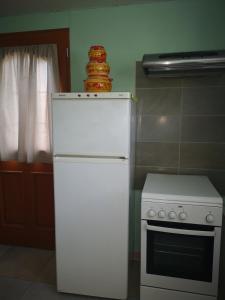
[{"x": 182, "y": 257}]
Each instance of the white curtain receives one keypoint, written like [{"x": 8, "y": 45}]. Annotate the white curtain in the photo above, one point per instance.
[{"x": 28, "y": 76}]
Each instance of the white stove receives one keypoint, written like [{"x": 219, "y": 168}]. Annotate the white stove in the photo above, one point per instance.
[
  {"x": 163, "y": 195},
  {"x": 180, "y": 237}
]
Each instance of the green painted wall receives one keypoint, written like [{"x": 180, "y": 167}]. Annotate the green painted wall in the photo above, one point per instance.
[
  {"x": 127, "y": 33},
  {"x": 130, "y": 31}
]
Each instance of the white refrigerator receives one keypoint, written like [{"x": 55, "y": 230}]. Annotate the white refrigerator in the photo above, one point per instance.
[{"x": 93, "y": 157}]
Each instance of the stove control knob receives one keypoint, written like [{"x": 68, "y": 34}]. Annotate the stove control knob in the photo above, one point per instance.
[
  {"x": 151, "y": 213},
  {"x": 161, "y": 214},
  {"x": 209, "y": 218},
  {"x": 172, "y": 215},
  {"x": 182, "y": 216}
]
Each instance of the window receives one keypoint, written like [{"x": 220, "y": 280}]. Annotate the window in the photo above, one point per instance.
[{"x": 32, "y": 65}]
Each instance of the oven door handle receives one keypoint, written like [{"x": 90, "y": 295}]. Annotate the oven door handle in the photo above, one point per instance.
[{"x": 181, "y": 231}]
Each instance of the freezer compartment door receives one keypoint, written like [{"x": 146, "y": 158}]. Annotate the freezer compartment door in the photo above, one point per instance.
[
  {"x": 91, "y": 210},
  {"x": 91, "y": 127}
]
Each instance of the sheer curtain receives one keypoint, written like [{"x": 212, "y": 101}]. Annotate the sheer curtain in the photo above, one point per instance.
[{"x": 28, "y": 76}]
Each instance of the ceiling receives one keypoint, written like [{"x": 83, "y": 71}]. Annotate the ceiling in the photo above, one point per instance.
[{"x": 20, "y": 7}]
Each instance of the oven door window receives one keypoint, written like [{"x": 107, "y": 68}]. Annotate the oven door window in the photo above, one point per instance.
[{"x": 177, "y": 255}]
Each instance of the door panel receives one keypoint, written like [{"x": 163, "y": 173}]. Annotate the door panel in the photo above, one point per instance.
[
  {"x": 150, "y": 293},
  {"x": 26, "y": 205},
  {"x": 179, "y": 255},
  {"x": 182, "y": 284},
  {"x": 92, "y": 205},
  {"x": 12, "y": 199},
  {"x": 100, "y": 127},
  {"x": 43, "y": 199}
]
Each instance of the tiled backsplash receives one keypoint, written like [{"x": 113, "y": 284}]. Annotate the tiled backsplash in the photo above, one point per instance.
[{"x": 181, "y": 127}]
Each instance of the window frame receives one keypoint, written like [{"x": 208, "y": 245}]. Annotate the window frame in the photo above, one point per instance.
[{"x": 60, "y": 37}]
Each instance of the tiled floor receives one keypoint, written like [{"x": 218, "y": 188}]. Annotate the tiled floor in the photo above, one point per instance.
[{"x": 29, "y": 274}]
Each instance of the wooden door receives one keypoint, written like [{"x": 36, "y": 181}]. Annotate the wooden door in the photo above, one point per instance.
[
  {"x": 26, "y": 190},
  {"x": 26, "y": 204}
]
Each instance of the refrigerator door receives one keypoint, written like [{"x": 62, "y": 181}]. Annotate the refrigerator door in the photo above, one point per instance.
[
  {"x": 91, "y": 127},
  {"x": 91, "y": 207}
]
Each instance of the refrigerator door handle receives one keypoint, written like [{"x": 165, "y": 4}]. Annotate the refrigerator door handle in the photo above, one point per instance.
[{"x": 90, "y": 158}]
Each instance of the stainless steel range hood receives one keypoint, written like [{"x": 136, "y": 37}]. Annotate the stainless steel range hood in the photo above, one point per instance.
[{"x": 184, "y": 64}]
